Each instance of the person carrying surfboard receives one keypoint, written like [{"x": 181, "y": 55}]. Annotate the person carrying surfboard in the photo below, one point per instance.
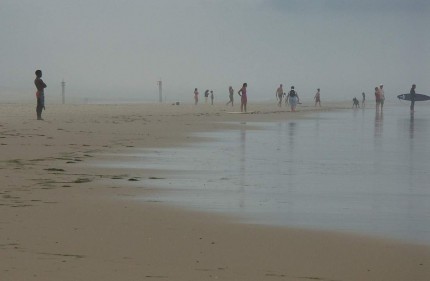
[{"x": 412, "y": 92}]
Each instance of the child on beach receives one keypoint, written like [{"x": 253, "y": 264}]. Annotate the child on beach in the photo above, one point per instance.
[
  {"x": 206, "y": 96},
  {"x": 212, "y": 97},
  {"x": 355, "y": 103},
  {"x": 243, "y": 97},
  {"x": 317, "y": 98},
  {"x": 231, "y": 93},
  {"x": 196, "y": 96}
]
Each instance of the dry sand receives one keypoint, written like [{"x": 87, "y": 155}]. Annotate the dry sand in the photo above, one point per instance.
[{"x": 63, "y": 220}]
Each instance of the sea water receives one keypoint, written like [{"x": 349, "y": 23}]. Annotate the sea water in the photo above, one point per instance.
[{"x": 358, "y": 170}]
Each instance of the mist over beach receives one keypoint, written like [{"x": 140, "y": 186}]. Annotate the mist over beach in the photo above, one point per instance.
[
  {"x": 115, "y": 185},
  {"x": 119, "y": 50}
]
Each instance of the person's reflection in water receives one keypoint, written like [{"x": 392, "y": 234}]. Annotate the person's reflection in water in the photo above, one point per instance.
[
  {"x": 411, "y": 126},
  {"x": 291, "y": 167},
  {"x": 378, "y": 122},
  {"x": 242, "y": 169},
  {"x": 291, "y": 133}
]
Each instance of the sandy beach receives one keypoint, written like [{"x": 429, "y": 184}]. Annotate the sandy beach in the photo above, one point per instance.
[{"x": 63, "y": 219}]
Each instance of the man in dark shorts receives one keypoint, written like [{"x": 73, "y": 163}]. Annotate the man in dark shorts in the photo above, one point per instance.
[
  {"x": 279, "y": 94},
  {"x": 40, "y": 94},
  {"x": 412, "y": 92}
]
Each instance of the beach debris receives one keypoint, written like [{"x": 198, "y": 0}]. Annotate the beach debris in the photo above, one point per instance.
[
  {"x": 156, "y": 178},
  {"x": 55, "y": 170},
  {"x": 117, "y": 177},
  {"x": 82, "y": 180}
]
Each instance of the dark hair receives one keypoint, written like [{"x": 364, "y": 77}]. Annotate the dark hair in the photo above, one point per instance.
[
  {"x": 38, "y": 72},
  {"x": 292, "y": 87},
  {"x": 245, "y": 84}
]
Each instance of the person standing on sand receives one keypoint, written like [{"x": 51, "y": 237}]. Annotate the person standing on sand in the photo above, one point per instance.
[
  {"x": 40, "y": 94},
  {"x": 212, "y": 97},
  {"x": 279, "y": 94},
  {"x": 355, "y": 103},
  {"x": 230, "y": 95},
  {"x": 196, "y": 96},
  {"x": 317, "y": 97},
  {"x": 363, "y": 102},
  {"x": 293, "y": 99},
  {"x": 243, "y": 97},
  {"x": 412, "y": 92},
  {"x": 382, "y": 95},
  {"x": 206, "y": 96},
  {"x": 377, "y": 98}
]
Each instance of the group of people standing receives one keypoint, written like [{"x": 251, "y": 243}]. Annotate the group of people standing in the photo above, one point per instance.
[
  {"x": 379, "y": 97},
  {"x": 207, "y": 93},
  {"x": 292, "y": 98},
  {"x": 241, "y": 93}
]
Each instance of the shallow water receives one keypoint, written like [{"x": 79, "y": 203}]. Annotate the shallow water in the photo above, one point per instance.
[{"x": 357, "y": 171}]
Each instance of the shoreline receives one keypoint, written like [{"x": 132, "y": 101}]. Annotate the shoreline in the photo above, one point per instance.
[{"x": 63, "y": 221}]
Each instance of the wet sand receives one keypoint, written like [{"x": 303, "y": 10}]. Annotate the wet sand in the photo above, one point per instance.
[{"x": 62, "y": 220}]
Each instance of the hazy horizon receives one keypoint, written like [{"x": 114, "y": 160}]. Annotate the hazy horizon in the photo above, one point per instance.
[{"x": 119, "y": 50}]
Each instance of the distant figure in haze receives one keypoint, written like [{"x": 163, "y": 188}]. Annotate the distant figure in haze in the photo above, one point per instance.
[
  {"x": 363, "y": 102},
  {"x": 382, "y": 95},
  {"x": 377, "y": 98},
  {"x": 317, "y": 97},
  {"x": 40, "y": 94},
  {"x": 355, "y": 103},
  {"x": 412, "y": 92},
  {"x": 212, "y": 97},
  {"x": 243, "y": 97},
  {"x": 230, "y": 95},
  {"x": 206, "y": 96},
  {"x": 293, "y": 99},
  {"x": 279, "y": 94},
  {"x": 196, "y": 96}
]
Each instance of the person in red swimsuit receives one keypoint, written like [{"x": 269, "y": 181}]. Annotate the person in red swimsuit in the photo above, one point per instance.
[{"x": 243, "y": 97}]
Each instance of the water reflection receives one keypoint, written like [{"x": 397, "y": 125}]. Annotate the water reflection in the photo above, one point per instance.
[
  {"x": 411, "y": 126},
  {"x": 291, "y": 133},
  {"x": 314, "y": 173},
  {"x": 242, "y": 165},
  {"x": 379, "y": 118}
]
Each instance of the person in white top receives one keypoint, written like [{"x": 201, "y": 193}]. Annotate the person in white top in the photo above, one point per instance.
[{"x": 381, "y": 94}]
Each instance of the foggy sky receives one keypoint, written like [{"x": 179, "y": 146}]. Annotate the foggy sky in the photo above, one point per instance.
[{"x": 119, "y": 49}]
